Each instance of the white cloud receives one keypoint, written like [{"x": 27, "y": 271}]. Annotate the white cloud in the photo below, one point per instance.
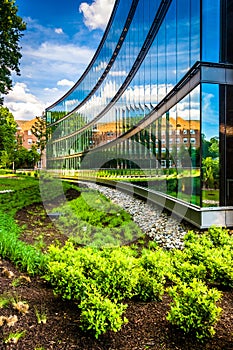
[
  {"x": 65, "y": 82},
  {"x": 56, "y": 52},
  {"x": 59, "y": 31},
  {"x": 22, "y": 104},
  {"x": 53, "y": 66},
  {"x": 97, "y": 14},
  {"x": 51, "y": 89}
]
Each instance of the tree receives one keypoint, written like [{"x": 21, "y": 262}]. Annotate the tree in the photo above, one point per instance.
[
  {"x": 26, "y": 158},
  {"x": 7, "y": 137},
  {"x": 11, "y": 27},
  {"x": 39, "y": 130}
]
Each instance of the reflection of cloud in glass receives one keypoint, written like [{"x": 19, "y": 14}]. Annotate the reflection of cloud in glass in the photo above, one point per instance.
[
  {"x": 122, "y": 73},
  {"x": 102, "y": 65},
  {"x": 71, "y": 102},
  {"x": 210, "y": 110}
]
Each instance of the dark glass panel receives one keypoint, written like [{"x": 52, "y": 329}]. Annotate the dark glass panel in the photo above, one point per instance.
[
  {"x": 229, "y": 145},
  {"x": 210, "y": 30},
  {"x": 210, "y": 144}
]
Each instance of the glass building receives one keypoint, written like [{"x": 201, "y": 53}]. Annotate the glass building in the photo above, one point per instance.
[{"x": 154, "y": 108}]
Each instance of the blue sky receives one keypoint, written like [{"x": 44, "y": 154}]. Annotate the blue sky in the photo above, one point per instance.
[{"x": 59, "y": 42}]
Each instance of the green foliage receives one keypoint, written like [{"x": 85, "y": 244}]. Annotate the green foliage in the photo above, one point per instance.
[
  {"x": 5, "y": 300},
  {"x": 182, "y": 269},
  {"x": 115, "y": 275},
  {"x": 210, "y": 168},
  {"x": 92, "y": 220},
  {"x": 25, "y": 256},
  {"x": 100, "y": 281},
  {"x": 11, "y": 27},
  {"x": 25, "y": 192},
  {"x": 220, "y": 237},
  {"x": 114, "y": 272},
  {"x": 7, "y": 135},
  {"x": 194, "y": 308},
  {"x": 155, "y": 268},
  {"x": 14, "y": 337},
  {"x": 39, "y": 130},
  {"x": 99, "y": 314},
  {"x": 214, "y": 250},
  {"x": 24, "y": 158}
]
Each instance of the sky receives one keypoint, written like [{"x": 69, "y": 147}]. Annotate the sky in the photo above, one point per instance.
[{"x": 58, "y": 44}]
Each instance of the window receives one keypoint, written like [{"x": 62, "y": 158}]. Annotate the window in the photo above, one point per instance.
[
  {"x": 185, "y": 132},
  {"x": 29, "y": 141},
  {"x": 185, "y": 140},
  {"x": 192, "y": 140},
  {"x": 192, "y": 132},
  {"x": 29, "y": 132}
]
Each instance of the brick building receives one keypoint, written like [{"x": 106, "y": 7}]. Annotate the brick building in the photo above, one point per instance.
[{"x": 26, "y": 138}]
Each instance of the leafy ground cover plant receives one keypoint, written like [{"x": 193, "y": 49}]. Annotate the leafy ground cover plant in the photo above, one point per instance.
[
  {"x": 92, "y": 220},
  {"x": 194, "y": 308}
]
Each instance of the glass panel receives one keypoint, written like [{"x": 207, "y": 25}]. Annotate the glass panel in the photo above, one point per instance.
[
  {"x": 210, "y": 145},
  {"x": 183, "y": 37},
  {"x": 195, "y": 31},
  {"x": 229, "y": 145},
  {"x": 194, "y": 148},
  {"x": 210, "y": 30},
  {"x": 171, "y": 56}
]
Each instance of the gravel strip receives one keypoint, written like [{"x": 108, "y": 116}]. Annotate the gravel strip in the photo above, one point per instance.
[{"x": 167, "y": 231}]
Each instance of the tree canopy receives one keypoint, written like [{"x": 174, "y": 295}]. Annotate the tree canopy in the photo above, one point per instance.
[
  {"x": 7, "y": 137},
  {"x": 11, "y": 28}
]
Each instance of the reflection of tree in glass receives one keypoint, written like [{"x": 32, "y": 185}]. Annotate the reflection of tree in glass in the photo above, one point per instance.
[
  {"x": 210, "y": 162},
  {"x": 210, "y": 148}
]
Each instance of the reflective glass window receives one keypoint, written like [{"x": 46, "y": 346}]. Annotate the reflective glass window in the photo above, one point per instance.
[
  {"x": 210, "y": 144},
  {"x": 210, "y": 30}
]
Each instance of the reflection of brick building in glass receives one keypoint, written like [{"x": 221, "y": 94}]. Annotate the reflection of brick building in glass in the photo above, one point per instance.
[
  {"x": 158, "y": 94},
  {"x": 26, "y": 139}
]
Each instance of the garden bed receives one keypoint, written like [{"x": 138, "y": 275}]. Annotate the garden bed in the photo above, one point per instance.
[{"x": 52, "y": 323}]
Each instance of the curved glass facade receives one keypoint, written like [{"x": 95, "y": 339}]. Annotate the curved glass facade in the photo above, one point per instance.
[{"x": 154, "y": 104}]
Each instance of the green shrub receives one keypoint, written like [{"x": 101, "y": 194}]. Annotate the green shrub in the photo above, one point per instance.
[
  {"x": 194, "y": 308},
  {"x": 149, "y": 288},
  {"x": 214, "y": 250},
  {"x": 220, "y": 237},
  {"x": 99, "y": 314},
  {"x": 219, "y": 265},
  {"x": 185, "y": 270},
  {"x": 157, "y": 262},
  {"x": 118, "y": 274},
  {"x": 156, "y": 265},
  {"x": 113, "y": 271}
]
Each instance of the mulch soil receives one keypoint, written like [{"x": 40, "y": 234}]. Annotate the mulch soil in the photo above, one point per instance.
[{"x": 147, "y": 327}]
